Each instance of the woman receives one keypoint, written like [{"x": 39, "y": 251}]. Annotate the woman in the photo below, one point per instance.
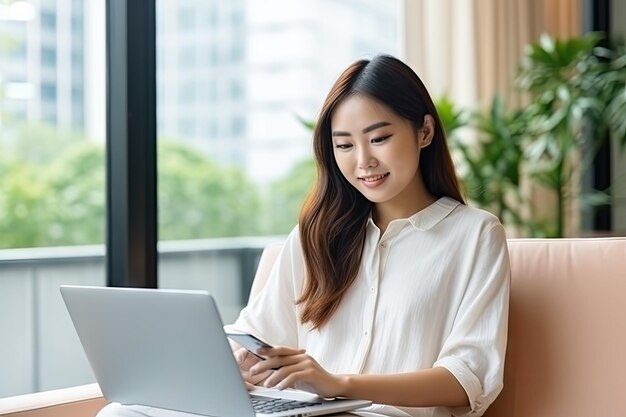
[{"x": 390, "y": 289}]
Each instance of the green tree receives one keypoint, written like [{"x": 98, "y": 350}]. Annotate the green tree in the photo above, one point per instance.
[
  {"x": 76, "y": 205},
  {"x": 198, "y": 198},
  {"x": 287, "y": 195},
  {"x": 53, "y": 192},
  {"x": 22, "y": 208},
  {"x": 52, "y": 186}
]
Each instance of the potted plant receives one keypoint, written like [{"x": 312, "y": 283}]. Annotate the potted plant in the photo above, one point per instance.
[
  {"x": 577, "y": 97},
  {"x": 491, "y": 164}
]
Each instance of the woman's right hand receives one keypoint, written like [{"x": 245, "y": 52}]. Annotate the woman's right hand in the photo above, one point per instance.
[{"x": 246, "y": 360}]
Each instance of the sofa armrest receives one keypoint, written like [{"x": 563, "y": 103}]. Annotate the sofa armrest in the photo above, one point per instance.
[{"x": 78, "y": 401}]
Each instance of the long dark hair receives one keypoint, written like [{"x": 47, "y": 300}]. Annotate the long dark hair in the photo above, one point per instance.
[{"x": 334, "y": 215}]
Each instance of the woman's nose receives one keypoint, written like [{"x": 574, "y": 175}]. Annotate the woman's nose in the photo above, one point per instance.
[{"x": 367, "y": 160}]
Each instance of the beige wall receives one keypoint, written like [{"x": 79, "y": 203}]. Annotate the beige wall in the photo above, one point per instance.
[{"x": 618, "y": 29}]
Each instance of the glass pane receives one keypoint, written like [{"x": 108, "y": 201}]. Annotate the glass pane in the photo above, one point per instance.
[
  {"x": 237, "y": 83},
  {"x": 52, "y": 182}
]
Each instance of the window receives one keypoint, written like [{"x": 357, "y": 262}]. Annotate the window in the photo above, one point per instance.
[
  {"x": 186, "y": 19},
  {"x": 52, "y": 95},
  {"x": 49, "y": 93},
  {"x": 49, "y": 20},
  {"x": 228, "y": 149},
  {"x": 187, "y": 57},
  {"x": 48, "y": 57},
  {"x": 251, "y": 67}
]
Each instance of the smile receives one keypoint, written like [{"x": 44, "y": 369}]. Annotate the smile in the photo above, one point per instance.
[{"x": 373, "y": 180}]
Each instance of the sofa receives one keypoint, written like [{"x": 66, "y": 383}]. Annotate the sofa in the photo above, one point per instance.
[{"x": 566, "y": 353}]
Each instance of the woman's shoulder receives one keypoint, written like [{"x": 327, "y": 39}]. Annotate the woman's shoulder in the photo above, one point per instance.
[
  {"x": 294, "y": 234},
  {"x": 477, "y": 213},
  {"x": 470, "y": 216},
  {"x": 292, "y": 242}
]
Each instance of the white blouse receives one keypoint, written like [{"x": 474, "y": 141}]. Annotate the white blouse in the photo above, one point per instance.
[{"x": 433, "y": 290}]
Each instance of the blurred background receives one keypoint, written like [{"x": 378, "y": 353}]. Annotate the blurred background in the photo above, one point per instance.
[{"x": 532, "y": 95}]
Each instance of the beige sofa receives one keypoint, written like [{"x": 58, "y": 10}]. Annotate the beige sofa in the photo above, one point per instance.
[{"x": 567, "y": 336}]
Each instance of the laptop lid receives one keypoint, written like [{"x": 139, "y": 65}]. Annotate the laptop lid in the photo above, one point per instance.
[{"x": 166, "y": 349}]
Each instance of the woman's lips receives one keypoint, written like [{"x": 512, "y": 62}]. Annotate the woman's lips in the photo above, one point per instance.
[{"x": 373, "y": 181}]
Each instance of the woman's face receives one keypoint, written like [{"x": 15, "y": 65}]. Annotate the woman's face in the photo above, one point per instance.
[{"x": 378, "y": 152}]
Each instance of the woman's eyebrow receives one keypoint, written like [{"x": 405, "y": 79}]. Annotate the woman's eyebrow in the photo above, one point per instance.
[
  {"x": 375, "y": 126},
  {"x": 366, "y": 130}
]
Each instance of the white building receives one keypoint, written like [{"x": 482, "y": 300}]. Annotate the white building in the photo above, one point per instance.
[
  {"x": 43, "y": 63},
  {"x": 234, "y": 76}
]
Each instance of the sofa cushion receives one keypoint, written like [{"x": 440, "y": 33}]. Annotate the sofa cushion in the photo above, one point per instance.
[{"x": 566, "y": 352}]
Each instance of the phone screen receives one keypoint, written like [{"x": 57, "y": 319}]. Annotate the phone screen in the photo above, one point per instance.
[{"x": 250, "y": 342}]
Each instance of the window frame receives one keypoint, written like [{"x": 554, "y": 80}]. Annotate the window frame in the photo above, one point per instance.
[{"x": 131, "y": 146}]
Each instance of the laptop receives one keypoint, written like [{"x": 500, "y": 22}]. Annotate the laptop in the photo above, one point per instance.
[{"x": 168, "y": 349}]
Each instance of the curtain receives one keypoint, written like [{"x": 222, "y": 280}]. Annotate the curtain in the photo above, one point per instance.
[{"x": 470, "y": 49}]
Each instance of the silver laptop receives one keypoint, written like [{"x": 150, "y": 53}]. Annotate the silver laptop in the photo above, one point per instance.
[{"x": 168, "y": 349}]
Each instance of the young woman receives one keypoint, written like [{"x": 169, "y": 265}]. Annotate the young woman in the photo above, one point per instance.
[{"x": 390, "y": 288}]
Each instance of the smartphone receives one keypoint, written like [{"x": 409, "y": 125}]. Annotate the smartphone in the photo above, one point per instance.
[{"x": 250, "y": 342}]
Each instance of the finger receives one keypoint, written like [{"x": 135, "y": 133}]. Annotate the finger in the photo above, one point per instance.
[
  {"x": 241, "y": 355},
  {"x": 277, "y": 362},
  {"x": 245, "y": 359},
  {"x": 256, "y": 378},
  {"x": 280, "y": 351},
  {"x": 287, "y": 376},
  {"x": 288, "y": 382},
  {"x": 249, "y": 386}
]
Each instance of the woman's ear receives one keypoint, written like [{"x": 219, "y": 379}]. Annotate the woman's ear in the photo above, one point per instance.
[{"x": 426, "y": 133}]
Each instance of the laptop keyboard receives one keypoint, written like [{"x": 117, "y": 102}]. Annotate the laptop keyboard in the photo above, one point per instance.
[{"x": 276, "y": 405}]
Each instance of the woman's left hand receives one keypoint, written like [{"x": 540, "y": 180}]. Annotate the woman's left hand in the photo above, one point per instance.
[{"x": 294, "y": 366}]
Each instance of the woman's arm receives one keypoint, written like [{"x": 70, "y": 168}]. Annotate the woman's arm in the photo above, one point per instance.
[{"x": 423, "y": 388}]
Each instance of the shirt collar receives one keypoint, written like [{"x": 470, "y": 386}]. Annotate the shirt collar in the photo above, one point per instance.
[{"x": 428, "y": 217}]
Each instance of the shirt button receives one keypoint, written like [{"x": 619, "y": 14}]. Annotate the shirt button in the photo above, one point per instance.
[
  {"x": 372, "y": 289},
  {"x": 365, "y": 333},
  {"x": 383, "y": 244}
]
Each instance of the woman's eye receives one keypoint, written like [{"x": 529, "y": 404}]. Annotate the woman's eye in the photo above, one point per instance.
[
  {"x": 343, "y": 146},
  {"x": 380, "y": 139}
]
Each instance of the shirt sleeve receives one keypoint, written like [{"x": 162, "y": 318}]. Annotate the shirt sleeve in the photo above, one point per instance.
[
  {"x": 273, "y": 315},
  {"x": 474, "y": 350}
]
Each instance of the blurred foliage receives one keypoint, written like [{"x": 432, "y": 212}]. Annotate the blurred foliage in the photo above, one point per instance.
[
  {"x": 495, "y": 185},
  {"x": 308, "y": 123},
  {"x": 489, "y": 164},
  {"x": 52, "y": 186},
  {"x": 53, "y": 192},
  {"x": 577, "y": 101},
  {"x": 577, "y": 88},
  {"x": 199, "y": 198},
  {"x": 287, "y": 195},
  {"x": 451, "y": 117}
]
